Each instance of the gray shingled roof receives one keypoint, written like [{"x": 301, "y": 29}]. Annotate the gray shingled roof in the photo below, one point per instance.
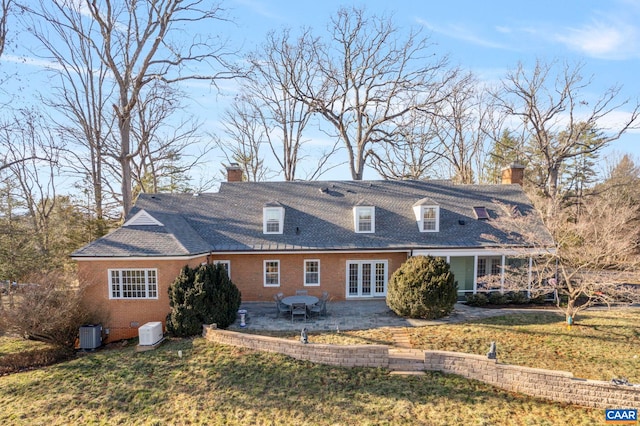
[{"x": 318, "y": 216}]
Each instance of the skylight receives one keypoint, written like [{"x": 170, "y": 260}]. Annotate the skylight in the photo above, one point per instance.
[{"x": 481, "y": 213}]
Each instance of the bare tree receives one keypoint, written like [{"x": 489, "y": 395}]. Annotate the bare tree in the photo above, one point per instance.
[
  {"x": 413, "y": 155},
  {"x": 555, "y": 118},
  {"x": 591, "y": 261},
  {"x": 35, "y": 176},
  {"x": 244, "y": 140},
  {"x": 50, "y": 311},
  {"x": 141, "y": 42},
  {"x": 464, "y": 124},
  {"x": 80, "y": 93},
  {"x": 282, "y": 117},
  {"x": 168, "y": 149},
  {"x": 367, "y": 77},
  {"x": 5, "y": 6}
]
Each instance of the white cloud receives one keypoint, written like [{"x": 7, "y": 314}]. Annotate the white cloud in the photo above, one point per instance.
[
  {"x": 460, "y": 32},
  {"x": 31, "y": 61},
  {"x": 259, "y": 8},
  {"x": 604, "y": 40}
]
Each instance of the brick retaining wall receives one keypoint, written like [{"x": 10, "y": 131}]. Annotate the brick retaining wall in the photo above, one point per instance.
[
  {"x": 558, "y": 386},
  {"x": 339, "y": 355}
]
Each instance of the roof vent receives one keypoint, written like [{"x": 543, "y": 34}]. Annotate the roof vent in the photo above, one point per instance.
[
  {"x": 142, "y": 218},
  {"x": 324, "y": 190}
]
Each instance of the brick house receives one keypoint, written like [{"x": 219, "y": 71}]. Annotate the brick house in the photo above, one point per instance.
[{"x": 345, "y": 237}]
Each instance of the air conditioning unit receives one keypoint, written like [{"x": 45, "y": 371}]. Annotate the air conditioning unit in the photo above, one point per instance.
[
  {"x": 150, "y": 333},
  {"x": 90, "y": 336}
]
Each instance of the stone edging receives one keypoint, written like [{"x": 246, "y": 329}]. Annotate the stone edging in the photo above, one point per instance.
[{"x": 558, "y": 386}]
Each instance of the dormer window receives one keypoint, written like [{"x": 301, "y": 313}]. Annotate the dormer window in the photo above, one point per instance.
[
  {"x": 427, "y": 216},
  {"x": 429, "y": 219},
  {"x": 273, "y": 219},
  {"x": 364, "y": 219}
]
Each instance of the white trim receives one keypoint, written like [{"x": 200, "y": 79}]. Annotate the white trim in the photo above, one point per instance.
[
  {"x": 264, "y": 272},
  {"x": 419, "y": 213},
  {"x": 142, "y": 218},
  {"x": 305, "y": 273},
  {"x": 410, "y": 251},
  {"x": 137, "y": 258},
  {"x": 356, "y": 219},
  {"x": 373, "y": 293},
  {"x": 523, "y": 251},
  {"x": 280, "y": 218},
  {"x": 230, "y": 253}
]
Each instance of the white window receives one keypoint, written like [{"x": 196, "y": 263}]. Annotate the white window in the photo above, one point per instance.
[
  {"x": 226, "y": 264},
  {"x": 365, "y": 219},
  {"x": 273, "y": 220},
  {"x": 312, "y": 272},
  {"x": 272, "y": 273},
  {"x": 367, "y": 278},
  {"x": 428, "y": 218},
  {"x": 133, "y": 284}
]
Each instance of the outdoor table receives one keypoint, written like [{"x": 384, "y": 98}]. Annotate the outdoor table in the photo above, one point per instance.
[{"x": 307, "y": 300}]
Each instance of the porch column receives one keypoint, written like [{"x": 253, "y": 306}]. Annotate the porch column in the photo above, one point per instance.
[
  {"x": 502, "y": 274},
  {"x": 475, "y": 274},
  {"x": 529, "y": 280}
]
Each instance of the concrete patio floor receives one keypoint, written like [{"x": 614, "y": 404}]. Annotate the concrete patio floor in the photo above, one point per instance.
[{"x": 354, "y": 315}]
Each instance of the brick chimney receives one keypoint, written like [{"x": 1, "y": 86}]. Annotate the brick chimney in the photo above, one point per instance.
[
  {"x": 234, "y": 173},
  {"x": 513, "y": 173}
]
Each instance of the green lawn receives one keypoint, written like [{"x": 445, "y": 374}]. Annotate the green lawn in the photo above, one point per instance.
[{"x": 214, "y": 384}]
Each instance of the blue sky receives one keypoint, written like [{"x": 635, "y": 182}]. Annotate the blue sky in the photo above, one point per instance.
[
  {"x": 491, "y": 37},
  {"x": 486, "y": 37}
]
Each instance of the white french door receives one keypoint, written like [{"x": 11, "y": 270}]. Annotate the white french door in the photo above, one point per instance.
[{"x": 366, "y": 278}]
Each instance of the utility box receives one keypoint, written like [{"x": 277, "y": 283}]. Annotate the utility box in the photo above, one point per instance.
[
  {"x": 150, "y": 333},
  {"x": 90, "y": 336}
]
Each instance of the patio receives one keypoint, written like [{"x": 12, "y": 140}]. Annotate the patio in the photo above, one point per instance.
[{"x": 350, "y": 315}]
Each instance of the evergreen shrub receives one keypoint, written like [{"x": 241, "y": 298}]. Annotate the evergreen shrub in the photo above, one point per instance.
[
  {"x": 204, "y": 295},
  {"x": 478, "y": 299},
  {"x": 423, "y": 287}
]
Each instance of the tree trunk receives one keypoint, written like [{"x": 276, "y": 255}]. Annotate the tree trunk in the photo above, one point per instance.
[{"x": 125, "y": 162}]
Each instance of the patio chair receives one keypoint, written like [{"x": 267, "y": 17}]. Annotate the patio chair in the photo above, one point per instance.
[
  {"x": 281, "y": 308},
  {"x": 302, "y": 293},
  {"x": 298, "y": 309},
  {"x": 320, "y": 308}
]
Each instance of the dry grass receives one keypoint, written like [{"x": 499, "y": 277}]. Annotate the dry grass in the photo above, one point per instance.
[
  {"x": 213, "y": 384},
  {"x": 601, "y": 346}
]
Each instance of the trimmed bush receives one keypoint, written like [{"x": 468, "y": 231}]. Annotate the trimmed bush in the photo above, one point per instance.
[
  {"x": 517, "y": 298},
  {"x": 478, "y": 299},
  {"x": 423, "y": 287},
  {"x": 204, "y": 295},
  {"x": 497, "y": 298}
]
